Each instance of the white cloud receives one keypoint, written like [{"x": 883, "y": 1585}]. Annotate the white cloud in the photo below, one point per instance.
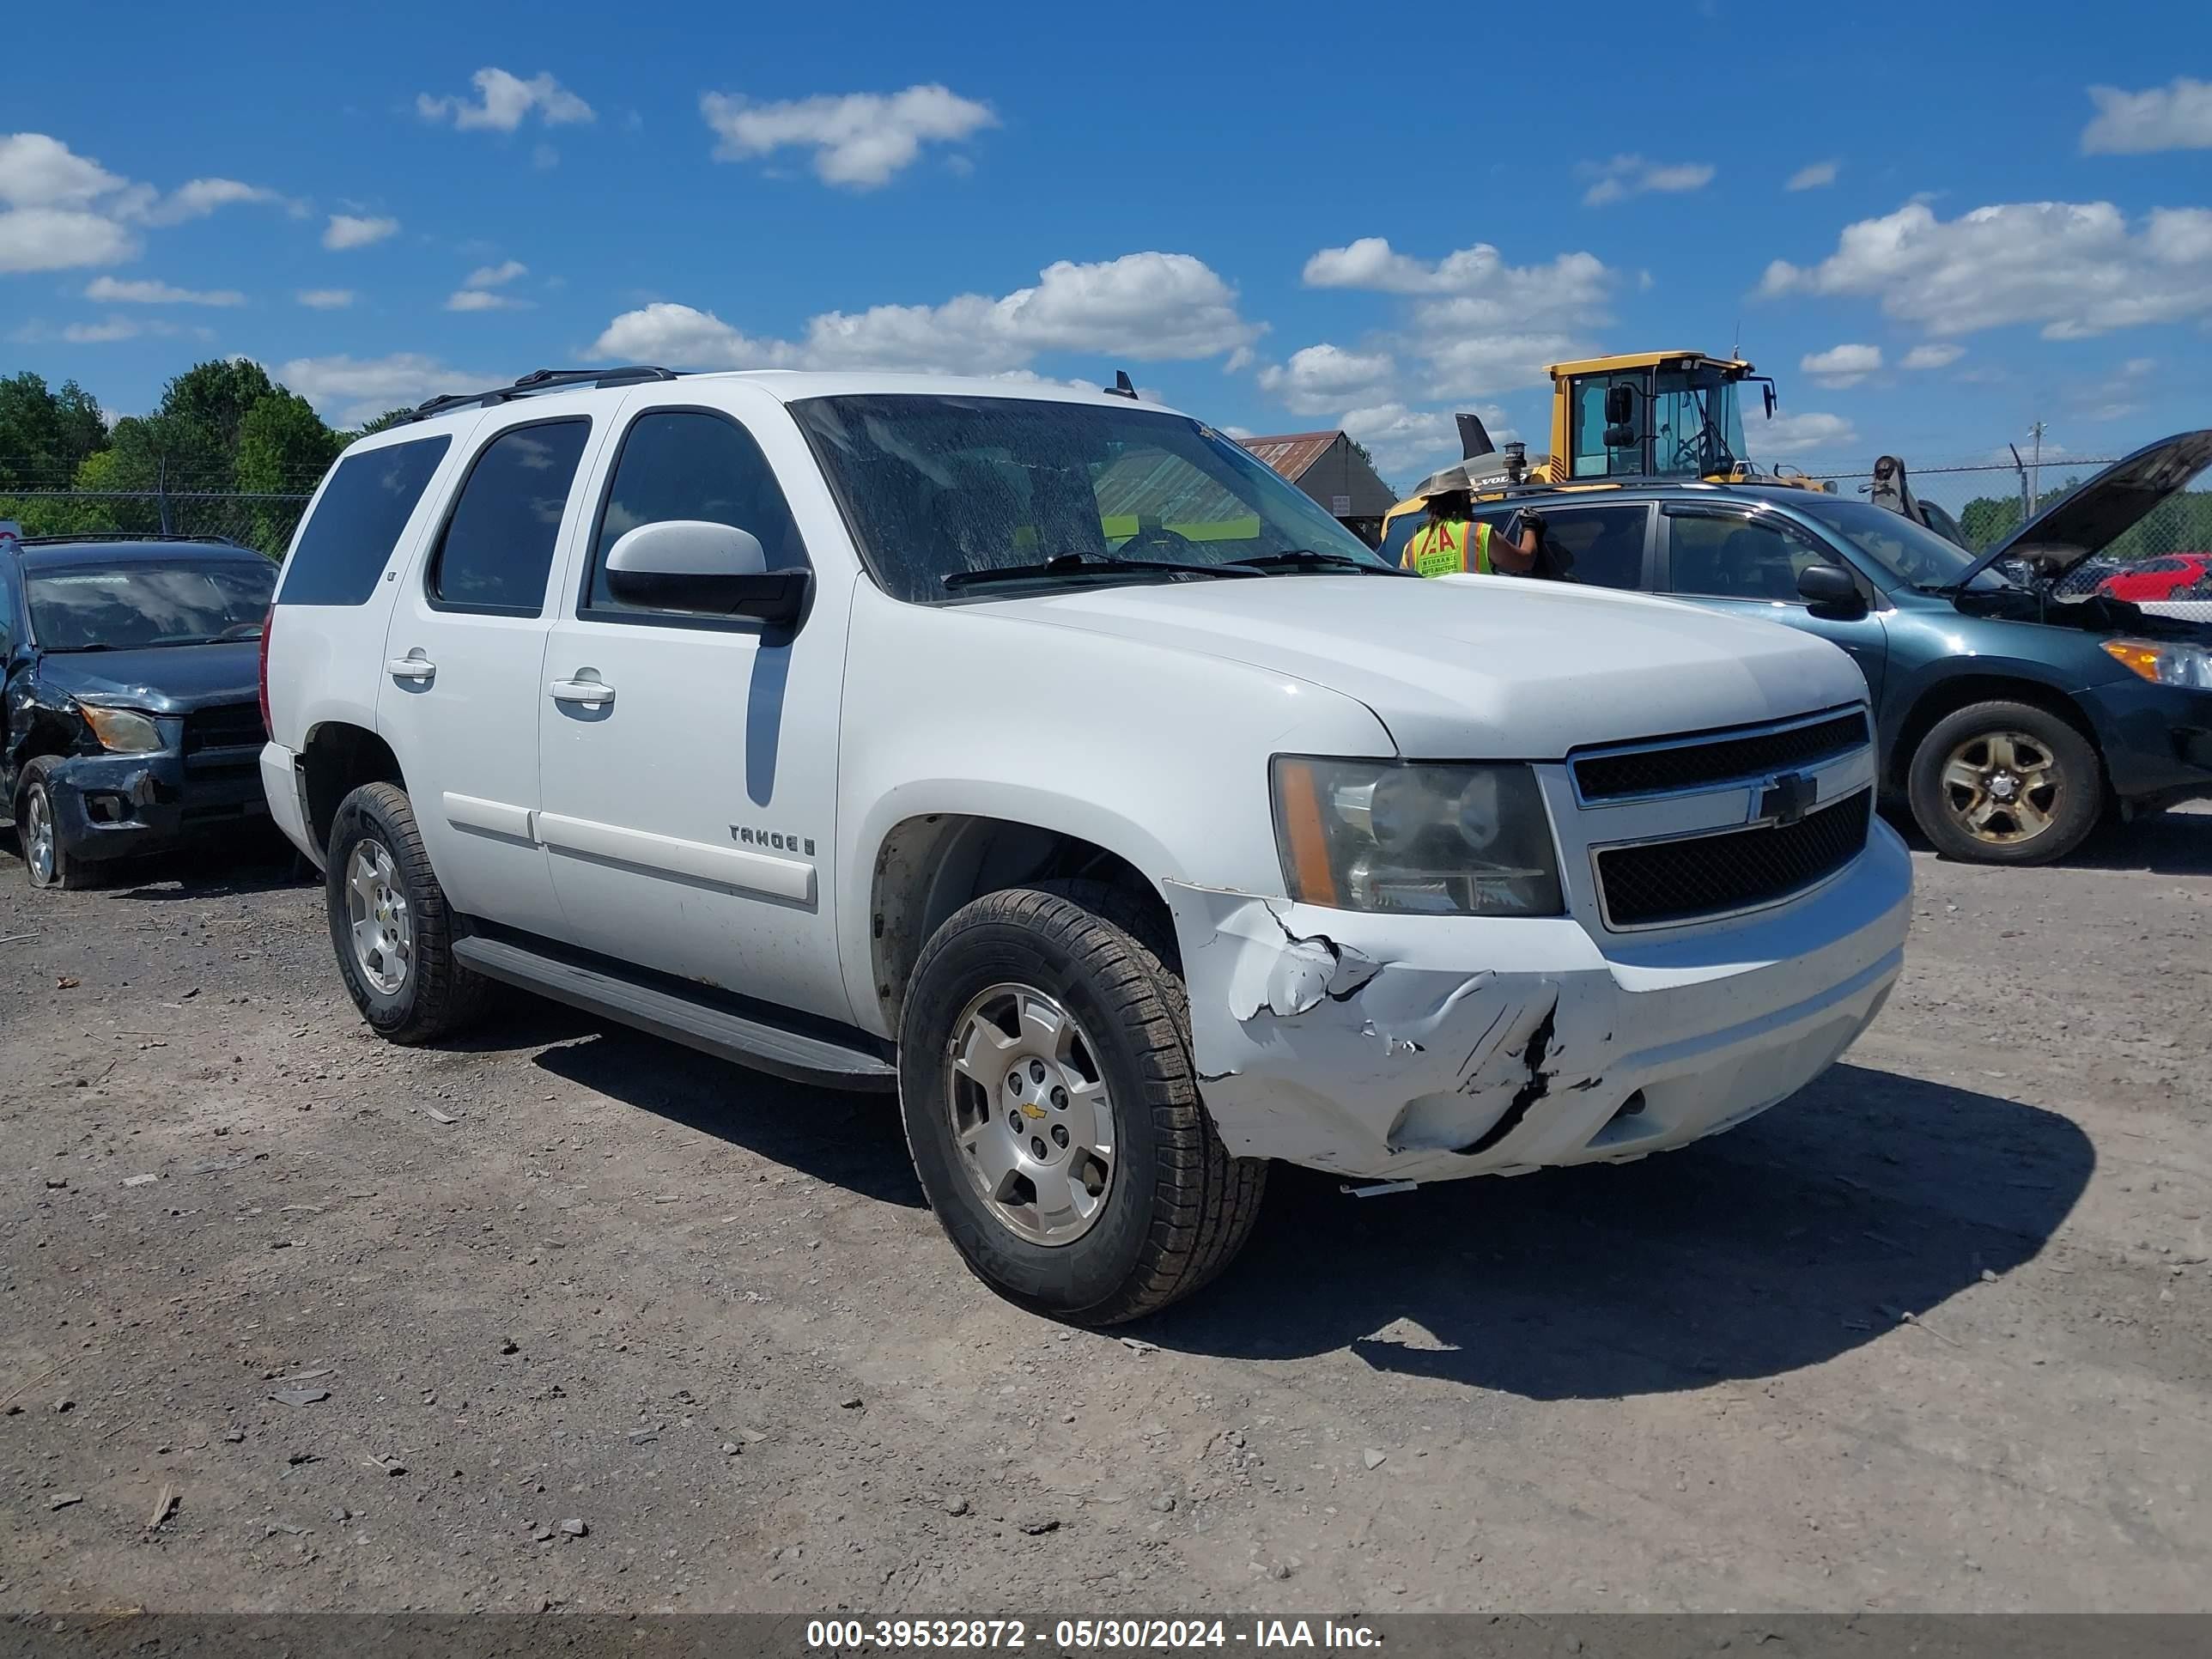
[
  {"x": 860, "y": 139},
  {"x": 1933, "y": 356},
  {"x": 1625, "y": 176},
  {"x": 1142, "y": 307},
  {"x": 109, "y": 290},
  {"x": 2074, "y": 268},
  {"x": 479, "y": 299},
  {"x": 57, "y": 238},
  {"x": 198, "y": 198},
  {"x": 1841, "y": 366},
  {"x": 2179, "y": 117},
  {"x": 1801, "y": 435},
  {"x": 1322, "y": 379},
  {"x": 39, "y": 171},
  {"x": 115, "y": 328},
  {"x": 1816, "y": 176},
  {"x": 356, "y": 389},
  {"x": 324, "y": 299},
  {"x": 346, "y": 230},
  {"x": 505, "y": 102},
  {"x": 1407, "y": 440},
  {"x": 495, "y": 276}
]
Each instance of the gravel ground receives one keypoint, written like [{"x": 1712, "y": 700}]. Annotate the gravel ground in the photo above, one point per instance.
[{"x": 565, "y": 1317}]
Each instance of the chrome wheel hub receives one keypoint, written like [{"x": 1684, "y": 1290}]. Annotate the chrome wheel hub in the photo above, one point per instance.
[
  {"x": 38, "y": 837},
  {"x": 2003, "y": 788},
  {"x": 376, "y": 906},
  {"x": 1030, "y": 1114}
]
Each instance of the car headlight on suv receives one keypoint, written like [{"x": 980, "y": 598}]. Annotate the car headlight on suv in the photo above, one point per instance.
[
  {"x": 1440, "y": 840},
  {"x": 122, "y": 730},
  {"x": 2164, "y": 662}
]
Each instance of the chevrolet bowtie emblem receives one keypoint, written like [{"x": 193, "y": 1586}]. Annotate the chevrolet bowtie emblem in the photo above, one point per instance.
[{"x": 1786, "y": 799}]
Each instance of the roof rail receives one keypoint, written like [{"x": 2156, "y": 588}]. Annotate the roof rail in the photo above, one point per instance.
[
  {"x": 539, "y": 380},
  {"x": 125, "y": 536}
]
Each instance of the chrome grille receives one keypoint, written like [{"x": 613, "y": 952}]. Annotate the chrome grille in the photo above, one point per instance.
[{"x": 1717, "y": 757}]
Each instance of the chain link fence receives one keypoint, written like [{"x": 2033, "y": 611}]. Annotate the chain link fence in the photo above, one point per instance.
[{"x": 48, "y": 501}]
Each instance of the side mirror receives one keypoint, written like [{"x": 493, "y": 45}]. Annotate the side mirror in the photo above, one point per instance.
[
  {"x": 1620, "y": 417},
  {"x": 717, "y": 569},
  {"x": 1830, "y": 586}
]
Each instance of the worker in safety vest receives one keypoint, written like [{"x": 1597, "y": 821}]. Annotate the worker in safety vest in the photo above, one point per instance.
[{"x": 1451, "y": 544}]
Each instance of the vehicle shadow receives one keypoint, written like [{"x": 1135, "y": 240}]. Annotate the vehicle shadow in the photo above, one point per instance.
[
  {"x": 1794, "y": 1239},
  {"x": 853, "y": 1141}
]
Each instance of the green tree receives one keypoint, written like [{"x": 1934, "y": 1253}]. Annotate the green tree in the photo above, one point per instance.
[
  {"x": 201, "y": 415},
  {"x": 389, "y": 417},
  {"x": 1989, "y": 518},
  {"x": 44, "y": 433},
  {"x": 283, "y": 447}
]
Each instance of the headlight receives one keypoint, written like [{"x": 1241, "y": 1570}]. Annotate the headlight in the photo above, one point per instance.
[
  {"x": 2162, "y": 662},
  {"x": 122, "y": 730},
  {"x": 1465, "y": 840}
]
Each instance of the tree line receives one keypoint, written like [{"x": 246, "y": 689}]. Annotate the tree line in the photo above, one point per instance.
[
  {"x": 227, "y": 451},
  {"x": 2180, "y": 524}
]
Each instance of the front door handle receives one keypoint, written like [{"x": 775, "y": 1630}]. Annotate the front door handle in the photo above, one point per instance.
[
  {"x": 417, "y": 668},
  {"x": 592, "y": 694}
]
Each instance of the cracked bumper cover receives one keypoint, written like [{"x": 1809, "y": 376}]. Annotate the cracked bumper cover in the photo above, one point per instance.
[
  {"x": 1381, "y": 1047},
  {"x": 112, "y": 807}
]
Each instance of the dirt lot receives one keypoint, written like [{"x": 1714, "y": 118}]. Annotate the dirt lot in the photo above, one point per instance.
[{"x": 1936, "y": 1335}]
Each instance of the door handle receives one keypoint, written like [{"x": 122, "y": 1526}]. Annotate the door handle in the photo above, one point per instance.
[
  {"x": 417, "y": 668},
  {"x": 592, "y": 694}
]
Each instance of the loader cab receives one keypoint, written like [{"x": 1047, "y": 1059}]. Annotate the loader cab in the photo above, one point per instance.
[{"x": 1652, "y": 415}]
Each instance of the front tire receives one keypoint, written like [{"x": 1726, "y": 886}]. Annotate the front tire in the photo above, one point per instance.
[
  {"x": 2005, "y": 782},
  {"x": 390, "y": 924},
  {"x": 1052, "y": 1111},
  {"x": 45, "y": 864}
]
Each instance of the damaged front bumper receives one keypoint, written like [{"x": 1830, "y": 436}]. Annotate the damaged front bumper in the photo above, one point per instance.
[
  {"x": 114, "y": 806},
  {"x": 1383, "y": 1047}
]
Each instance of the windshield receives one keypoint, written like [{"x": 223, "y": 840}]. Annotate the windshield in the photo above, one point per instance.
[
  {"x": 937, "y": 486},
  {"x": 1914, "y": 554},
  {"x": 1696, "y": 423},
  {"x": 126, "y": 606}
]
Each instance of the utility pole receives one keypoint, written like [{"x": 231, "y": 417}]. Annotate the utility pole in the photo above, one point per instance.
[{"x": 2035, "y": 468}]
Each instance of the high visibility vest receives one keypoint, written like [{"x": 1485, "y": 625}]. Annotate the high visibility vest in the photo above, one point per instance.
[{"x": 1447, "y": 547}]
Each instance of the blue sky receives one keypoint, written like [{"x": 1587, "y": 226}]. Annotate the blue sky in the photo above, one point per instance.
[{"x": 1999, "y": 214}]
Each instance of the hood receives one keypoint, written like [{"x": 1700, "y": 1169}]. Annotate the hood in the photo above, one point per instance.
[
  {"x": 2113, "y": 502},
  {"x": 167, "y": 679},
  {"x": 1483, "y": 667}
]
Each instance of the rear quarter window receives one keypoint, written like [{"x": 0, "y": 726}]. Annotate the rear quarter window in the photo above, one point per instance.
[{"x": 348, "y": 538}]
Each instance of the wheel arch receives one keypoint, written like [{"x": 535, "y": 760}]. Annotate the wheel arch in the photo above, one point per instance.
[
  {"x": 927, "y": 865},
  {"x": 337, "y": 758},
  {"x": 1955, "y": 691}
]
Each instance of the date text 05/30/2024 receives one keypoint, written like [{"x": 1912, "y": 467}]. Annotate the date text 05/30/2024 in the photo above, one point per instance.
[{"x": 831, "y": 1636}]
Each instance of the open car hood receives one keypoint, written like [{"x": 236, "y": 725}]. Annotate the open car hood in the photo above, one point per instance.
[{"x": 2067, "y": 531}]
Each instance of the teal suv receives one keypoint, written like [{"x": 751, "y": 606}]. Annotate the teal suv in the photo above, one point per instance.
[{"x": 2016, "y": 704}]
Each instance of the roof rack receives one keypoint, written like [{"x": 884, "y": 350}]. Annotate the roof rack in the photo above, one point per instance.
[
  {"x": 84, "y": 536},
  {"x": 539, "y": 380}
]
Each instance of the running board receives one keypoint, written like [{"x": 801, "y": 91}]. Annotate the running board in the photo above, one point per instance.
[{"x": 793, "y": 1056}]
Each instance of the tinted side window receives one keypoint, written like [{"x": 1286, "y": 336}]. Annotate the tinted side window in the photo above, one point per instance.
[
  {"x": 497, "y": 545},
  {"x": 343, "y": 548},
  {"x": 1731, "y": 558},
  {"x": 1605, "y": 542},
  {"x": 684, "y": 463}
]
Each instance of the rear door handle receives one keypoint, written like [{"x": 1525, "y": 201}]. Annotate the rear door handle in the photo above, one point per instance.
[
  {"x": 592, "y": 694},
  {"x": 418, "y": 668}
]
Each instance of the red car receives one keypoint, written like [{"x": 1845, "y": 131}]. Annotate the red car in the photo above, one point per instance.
[{"x": 2159, "y": 579}]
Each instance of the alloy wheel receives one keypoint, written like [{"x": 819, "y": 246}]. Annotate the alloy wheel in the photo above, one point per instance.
[
  {"x": 1030, "y": 1114},
  {"x": 2003, "y": 788},
  {"x": 376, "y": 905},
  {"x": 38, "y": 837}
]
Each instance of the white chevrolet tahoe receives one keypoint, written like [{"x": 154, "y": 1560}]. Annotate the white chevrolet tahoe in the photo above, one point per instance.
[{"x": 1042, "y": 755}]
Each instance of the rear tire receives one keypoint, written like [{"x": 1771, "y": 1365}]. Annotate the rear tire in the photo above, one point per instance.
[
  {"x": 1170, "y": 1206},
  {"x": 2005, "y": 782},
  {"x": 390, "y": 924}
]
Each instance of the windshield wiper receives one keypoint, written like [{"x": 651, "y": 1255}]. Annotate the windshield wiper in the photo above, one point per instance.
[
  {"x": 1306, "y": 558},
  {"x": 1084, "y": 564}
]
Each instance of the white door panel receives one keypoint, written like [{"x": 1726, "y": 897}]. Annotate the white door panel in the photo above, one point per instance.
[
  {"x": 689, "y": 812},
  {"x": 462, "y": 688}
]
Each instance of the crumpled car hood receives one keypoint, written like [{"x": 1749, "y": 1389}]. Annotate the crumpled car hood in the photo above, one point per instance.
[
  {"x": 161, "y": 680},
  {"x": 1483, "y": 667}
]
